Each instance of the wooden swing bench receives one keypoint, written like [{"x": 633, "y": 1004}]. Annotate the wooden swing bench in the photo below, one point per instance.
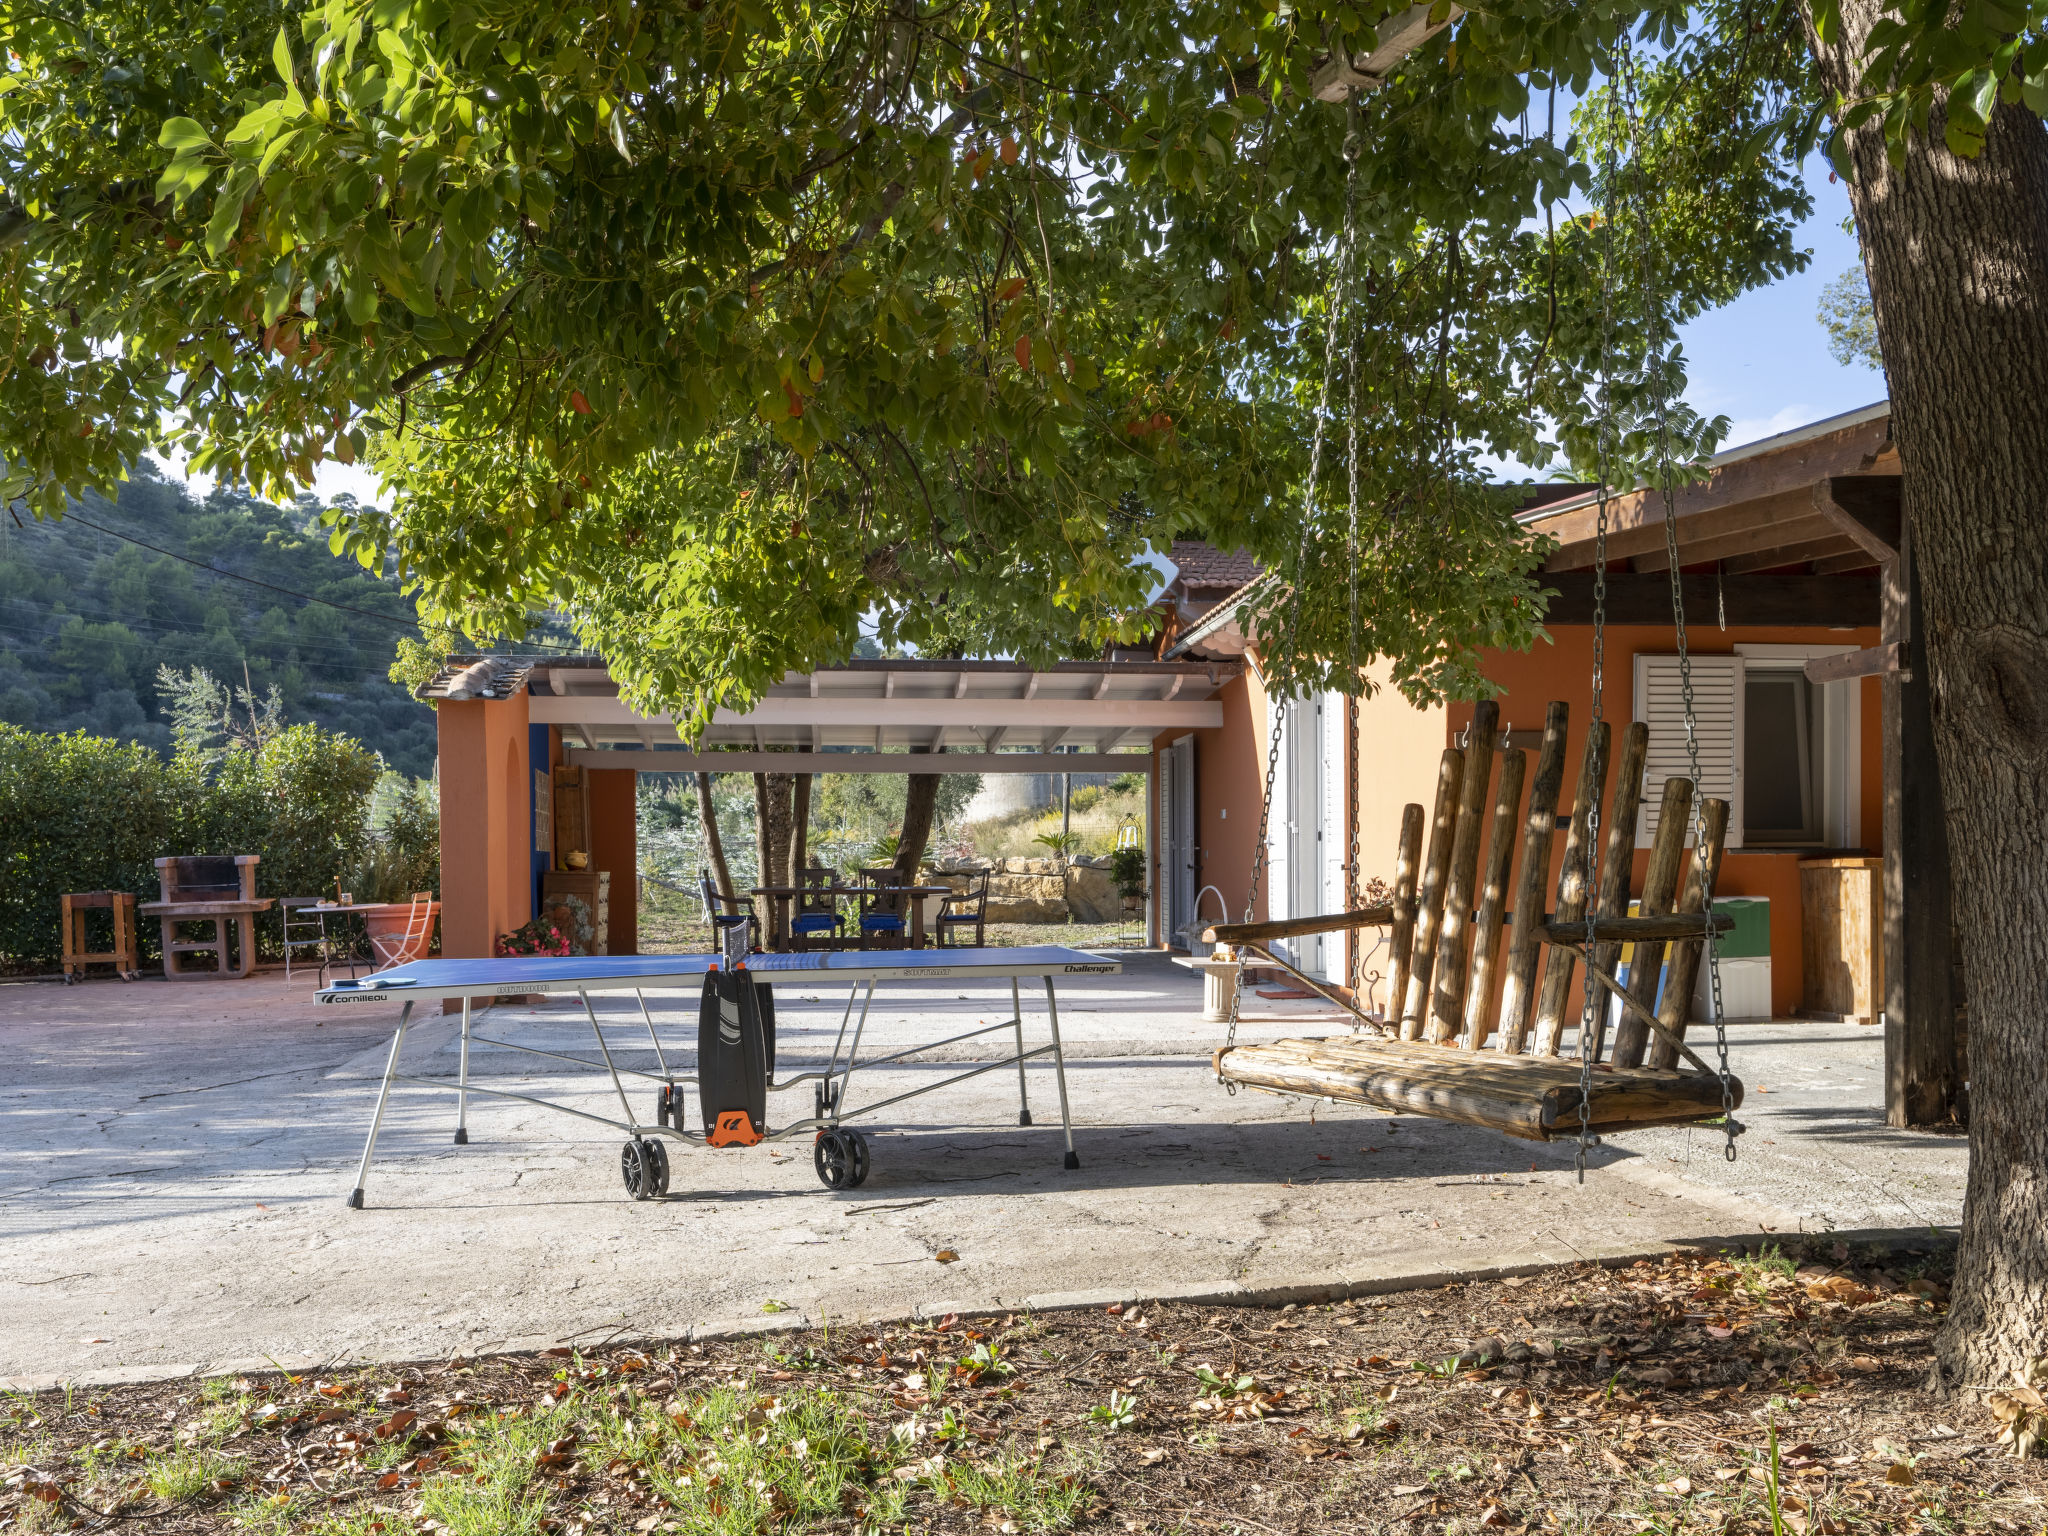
[{"x": 1478, "y": 1040}]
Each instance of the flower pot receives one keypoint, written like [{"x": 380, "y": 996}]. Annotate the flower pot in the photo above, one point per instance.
[{"x": 385, "y": 924}]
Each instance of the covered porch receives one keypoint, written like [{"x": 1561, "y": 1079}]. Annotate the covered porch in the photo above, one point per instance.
[{"x": 540, "y": 757}]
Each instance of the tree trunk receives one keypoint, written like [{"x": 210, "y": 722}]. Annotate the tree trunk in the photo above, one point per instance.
[
  {"x": 921, "y": 798},
  {"x": 1957, "y": 256},
  {"x": 713, "y": 843},
  {"x": 772, "y": 792},
  {"x": 800, "y": 829}
]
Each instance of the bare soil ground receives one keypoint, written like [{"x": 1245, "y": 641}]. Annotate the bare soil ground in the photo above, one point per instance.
[{"x": 1710, "y": 1393}]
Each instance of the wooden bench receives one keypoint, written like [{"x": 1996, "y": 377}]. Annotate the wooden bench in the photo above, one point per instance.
[
  {"x": 208, "y": 889},
  {"x": 1473, "y": 1033}
]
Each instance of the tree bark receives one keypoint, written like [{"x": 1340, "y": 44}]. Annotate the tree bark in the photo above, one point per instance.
[
  {"x": 772, "y": 794},
  {"x": 1957, "y": 256},
  {"x": 707, "y": 815},
  {"x": 800, "y": 829},
  {"x": 921, "y": 798}
]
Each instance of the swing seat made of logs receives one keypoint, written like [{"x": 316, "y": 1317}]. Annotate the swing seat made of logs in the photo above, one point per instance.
[{"x": 1479, "y": 1036}]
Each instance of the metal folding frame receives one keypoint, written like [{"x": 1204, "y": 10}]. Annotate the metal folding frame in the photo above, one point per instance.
[{"x": 832, "y": 1080}]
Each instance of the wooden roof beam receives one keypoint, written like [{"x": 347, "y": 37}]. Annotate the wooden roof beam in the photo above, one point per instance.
[
  {"x": 1851, "y": 450},
  {"x": 1823, "y": 548},
  {"x": 1633, "y": 543},
  {"x": 1866, "y": 508},
  {"x": 1828, "y": 601},
  {"x": 1781, "y": 534},
  {"x": 1836, "y": 565}
]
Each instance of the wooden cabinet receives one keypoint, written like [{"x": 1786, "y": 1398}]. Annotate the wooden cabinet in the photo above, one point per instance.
[
  {"x": 594, "y": 888},
  {"x": 571, "y": 829},
  {"x": 1841, "y": 922}
]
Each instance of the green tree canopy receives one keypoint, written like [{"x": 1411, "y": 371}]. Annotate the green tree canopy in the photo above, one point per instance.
[{"x": 721, "y": 323}]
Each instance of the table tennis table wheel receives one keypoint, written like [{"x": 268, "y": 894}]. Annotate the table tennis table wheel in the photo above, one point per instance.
[
  {"x": 643, "y": 1162},
  {"x": 841, "y": 1158}
]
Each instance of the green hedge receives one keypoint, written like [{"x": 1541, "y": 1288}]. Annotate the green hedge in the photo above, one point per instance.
[{"x": 85, "y": 813}]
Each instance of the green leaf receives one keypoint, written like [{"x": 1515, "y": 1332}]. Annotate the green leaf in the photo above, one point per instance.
[
  {"x": 227, "y": 218},
  {"x": 182, "y": 133},
  {"x": 1976, "y": 93},
  {"x": 281, "y": 57}
]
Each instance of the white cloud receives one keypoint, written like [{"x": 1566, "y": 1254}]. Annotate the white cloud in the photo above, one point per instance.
[{"x": 1750, "y": 429}]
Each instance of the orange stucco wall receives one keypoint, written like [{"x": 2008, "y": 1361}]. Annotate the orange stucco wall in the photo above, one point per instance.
[
  {"x": 614, "y": 847},
  {"x": 486, "y": 822},
  {"x": 1399, "y": 746}
]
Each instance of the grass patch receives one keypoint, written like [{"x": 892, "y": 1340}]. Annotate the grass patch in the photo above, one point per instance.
[
  {"x": 1020, "y": 1486},
  {"x": 180, "y": 1476}
]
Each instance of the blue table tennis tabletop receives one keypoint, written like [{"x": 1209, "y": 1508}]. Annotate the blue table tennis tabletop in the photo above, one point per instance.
[{"x": 599, "y": 973}]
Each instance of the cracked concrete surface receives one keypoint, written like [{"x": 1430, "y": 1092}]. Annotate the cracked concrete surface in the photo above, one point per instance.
[{"x": 174, "y": 1157}]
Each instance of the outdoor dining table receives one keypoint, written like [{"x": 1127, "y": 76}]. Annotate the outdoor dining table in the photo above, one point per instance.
[{"x": 779, "y": 894}]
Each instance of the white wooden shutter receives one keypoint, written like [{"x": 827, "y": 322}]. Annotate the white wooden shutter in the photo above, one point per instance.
[{"x": 1717, "y": 719}]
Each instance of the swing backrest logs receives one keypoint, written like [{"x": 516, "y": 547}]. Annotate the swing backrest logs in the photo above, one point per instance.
[{"x": 1483, "y": 879}]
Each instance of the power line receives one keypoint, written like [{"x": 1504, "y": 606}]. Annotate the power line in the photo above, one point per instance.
[{"x": 304, "y": 597}]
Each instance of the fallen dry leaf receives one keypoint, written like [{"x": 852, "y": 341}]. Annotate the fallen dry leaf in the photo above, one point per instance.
[
  {"x": 1899, "y": 1475},
  {"x": 947, "y": 1256},
  {"x": 2022, "y": 1413}
]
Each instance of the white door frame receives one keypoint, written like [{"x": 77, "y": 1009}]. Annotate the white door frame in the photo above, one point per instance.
[
  {"x": 1305, "y": 847},
  {"x": 1175, "y": 834}
]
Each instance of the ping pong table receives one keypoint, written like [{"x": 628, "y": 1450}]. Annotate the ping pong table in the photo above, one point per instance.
[{"x": 840, "y": 1151}]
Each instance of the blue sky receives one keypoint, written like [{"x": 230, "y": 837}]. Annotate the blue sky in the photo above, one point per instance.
[{"x": 1763, "y": 361}]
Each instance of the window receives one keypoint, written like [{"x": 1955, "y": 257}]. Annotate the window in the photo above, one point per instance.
[
  {"x": 1782, "y": 743},
  {"x": 1782, "y": 751}
]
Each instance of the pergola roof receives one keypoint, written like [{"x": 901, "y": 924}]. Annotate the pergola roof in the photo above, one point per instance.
[{"x": 989, "y": 716}]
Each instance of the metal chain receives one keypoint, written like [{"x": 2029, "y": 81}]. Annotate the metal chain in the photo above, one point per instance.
[
  {"x": 1653, "y": 322},
  {"x": 1591, "y": 853},
  {"x": 1353, "y": 948},
  {"x": 1339, "y": 305}
]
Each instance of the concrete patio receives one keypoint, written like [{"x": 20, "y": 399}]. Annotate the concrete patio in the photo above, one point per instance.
[{"x": 173, "y": 1164}]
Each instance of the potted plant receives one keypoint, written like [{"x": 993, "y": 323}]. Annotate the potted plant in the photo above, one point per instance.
[
  {"x": 383, "y": 884},
  {"x": 1127, "y": 871}
]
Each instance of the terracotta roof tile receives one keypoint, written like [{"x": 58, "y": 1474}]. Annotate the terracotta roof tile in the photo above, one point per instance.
[{"x": 1206, "y": 568}]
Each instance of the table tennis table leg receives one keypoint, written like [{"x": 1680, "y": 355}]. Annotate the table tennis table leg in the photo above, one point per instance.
[
  {"x": 852, "y": 1054},
  {"x": 355, "y": 1199},
  {"x": 659, "y": 1055},
  {"x": 462, "y": 1084},
  {"x": 1059, "y": 1068},
  {"x": 625, "y": 1104},
  {"x": 1017, "y": 1018}
]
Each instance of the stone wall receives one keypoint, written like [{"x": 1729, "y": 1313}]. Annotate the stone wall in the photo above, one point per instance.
[{"x": 1030, "y": 891}]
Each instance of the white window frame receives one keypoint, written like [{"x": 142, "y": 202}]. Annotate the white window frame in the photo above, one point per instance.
[
  {"x": 1841, "y": 775},
  {"x": 1841, "y": 810}
]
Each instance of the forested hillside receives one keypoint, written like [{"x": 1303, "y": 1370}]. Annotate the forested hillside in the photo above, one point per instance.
[{"x": 87, "y": 617}]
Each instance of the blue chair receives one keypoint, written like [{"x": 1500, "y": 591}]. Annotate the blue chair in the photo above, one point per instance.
[
  {"x": 883, "y": 922},
  {"x": 817, "y": 923}
]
